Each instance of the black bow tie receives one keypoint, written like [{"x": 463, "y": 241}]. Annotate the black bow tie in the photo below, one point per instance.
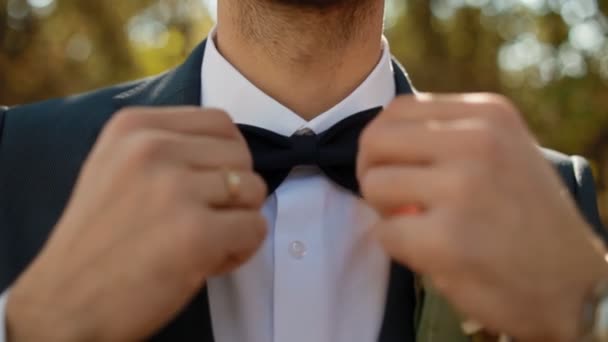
[{"x": 333, "y": 151}]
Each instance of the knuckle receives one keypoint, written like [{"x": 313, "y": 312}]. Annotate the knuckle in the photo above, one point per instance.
[
  {"x": 486, "y": 143},
  {"x": 260, "y": 227},
  {"x": 236, "y": 253},
  {"x": 434, "y": 252},
  {"x": 170, "y": 189},
  {"x": 371, "y": 186},
  {"x": 147, "y": 146},
  {"x": 395, "y": 108},
  {"x": 216, "y": 114},
  {"x": 252, "y": 232},
  {"x": 441, "y": 282},
  {"x": 449, "y": 284},
  {"x": 501, "y": 102},
  {"x": 191, "y": 234},
  {"x": 366, "y": 137},
  {"x": 234, "y": 154},
  {"x": 447, "y": 246},
  {"x": 243, "y": 157},
  {"x": 190, "y": 109},
  {"x": 369, "y": 137},
  {"x": 367, "y": 190},
  {"x": 503, "y": 110},
  {"x": 260, "y": 190},
  {"x": 126, "y": 121},
  {"x": 221, "y": 120}
]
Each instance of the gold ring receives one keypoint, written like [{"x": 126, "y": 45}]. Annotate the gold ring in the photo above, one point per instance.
[
  {"x": 476, "y": 330},
  {"x": 471, "y": 327},
  {"x": 233, "y": 183}
]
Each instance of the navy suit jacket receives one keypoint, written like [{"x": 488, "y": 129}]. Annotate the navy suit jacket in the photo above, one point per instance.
[{"x": 43, "y": 146}]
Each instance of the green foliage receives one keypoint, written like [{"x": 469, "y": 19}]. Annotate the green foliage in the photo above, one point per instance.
[
  {"x": 537, "y": 56},
  {"x": 51, "y": 48},
  {"x": 549, "y": 56}
]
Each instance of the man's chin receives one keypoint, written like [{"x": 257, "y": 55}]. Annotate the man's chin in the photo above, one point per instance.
[{"x": 311, "y": 3}]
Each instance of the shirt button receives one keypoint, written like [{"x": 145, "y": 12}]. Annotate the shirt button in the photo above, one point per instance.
[{"x": 297, "y": 249}]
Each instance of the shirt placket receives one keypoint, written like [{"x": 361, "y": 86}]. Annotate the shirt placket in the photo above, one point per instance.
[{"x": 300, "y": 297}]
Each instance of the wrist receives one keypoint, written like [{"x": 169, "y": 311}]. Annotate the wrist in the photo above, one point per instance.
[
  {"x": 594, "y": 317},
  {"x": 594, "y": 297},
  {"x": 570, "y": 315},
  {"x": 28, "y": 318}
]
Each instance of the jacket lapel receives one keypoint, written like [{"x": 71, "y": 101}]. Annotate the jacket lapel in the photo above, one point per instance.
[
  {"x": 178, "y": 87},
  {"x": 403, "y": 85},
  {"x": 182, "y": 87},
  {"x": 399, "y": 323}
]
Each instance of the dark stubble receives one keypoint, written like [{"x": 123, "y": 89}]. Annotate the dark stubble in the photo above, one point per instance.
[
  {"x": 319, "y": 4},
  {"x": 334, "y": 23}
]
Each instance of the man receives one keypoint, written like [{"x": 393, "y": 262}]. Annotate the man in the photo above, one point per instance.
[{"x": 183, "y": 226}]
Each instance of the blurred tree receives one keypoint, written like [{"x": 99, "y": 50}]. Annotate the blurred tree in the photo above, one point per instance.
[
  {"x": 50, "y": 48},
  {"x": 549, "y": 56}
]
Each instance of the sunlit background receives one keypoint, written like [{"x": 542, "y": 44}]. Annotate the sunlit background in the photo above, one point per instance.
[{"x": 549, "y": 56}]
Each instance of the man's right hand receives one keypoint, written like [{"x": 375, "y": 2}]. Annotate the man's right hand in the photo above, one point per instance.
[{"x": 151, "y": 217}]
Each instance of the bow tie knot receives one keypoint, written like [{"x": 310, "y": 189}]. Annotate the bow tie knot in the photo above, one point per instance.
[
  {"x": 304, "y": 150},
  {"x": 333, "y": 151}
]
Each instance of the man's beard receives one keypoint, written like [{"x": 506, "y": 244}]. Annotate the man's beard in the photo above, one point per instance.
[
  {"x": 312, "y": 3},
  {"x": 334, "y": 23},
  {"x": 316, "y": 4}
]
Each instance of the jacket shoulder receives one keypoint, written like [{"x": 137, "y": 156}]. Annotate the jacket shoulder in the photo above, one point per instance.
[
  {"x": 49, "y": 139},
  {"x": 40, "y": 132},
  {"x": 42, "y": 148},
  {"x": 88, "y": 107}
]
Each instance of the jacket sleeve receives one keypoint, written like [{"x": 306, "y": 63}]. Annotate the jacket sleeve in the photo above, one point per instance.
[{"x": 584, "y": 192}]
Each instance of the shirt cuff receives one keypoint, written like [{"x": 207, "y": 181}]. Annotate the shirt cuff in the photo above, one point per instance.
[{"x": 3, "y": 299}]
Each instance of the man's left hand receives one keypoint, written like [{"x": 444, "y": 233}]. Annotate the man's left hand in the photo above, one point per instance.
[{"x": 498, "y": 233}]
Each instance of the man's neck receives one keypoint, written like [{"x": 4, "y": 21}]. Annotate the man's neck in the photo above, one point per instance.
[{"x": 308, "y": 59}]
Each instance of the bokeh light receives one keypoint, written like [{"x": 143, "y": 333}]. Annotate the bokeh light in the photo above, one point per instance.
[{"x": 549, "y": 56}]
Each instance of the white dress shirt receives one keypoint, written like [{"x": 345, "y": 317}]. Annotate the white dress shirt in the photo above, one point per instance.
[
  {"x": 3, "y": 317},
  {"x": 319, "y": 276}
]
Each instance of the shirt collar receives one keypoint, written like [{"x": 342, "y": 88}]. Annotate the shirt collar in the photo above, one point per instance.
[{"x": 224, "y": 87}]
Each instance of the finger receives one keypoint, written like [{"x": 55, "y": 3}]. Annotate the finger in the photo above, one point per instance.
[
  {"x": 213, "y": 188},
  {"x": 185, "y": 120},
  {"x": 199, "y": 152},
  {"x": 408, "y": 209},
  {"x": 206, "y": 241},
  {"x": 416, "y": 241},
  {"x": 422, "y": 143},
  {"x": 389, "y": 188},
  {"x": 398, "y": 142},
  {"x": 211, "y": 152},
  {"x": 442, "y": 107},
  {"x": 239, "y": 233}
]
